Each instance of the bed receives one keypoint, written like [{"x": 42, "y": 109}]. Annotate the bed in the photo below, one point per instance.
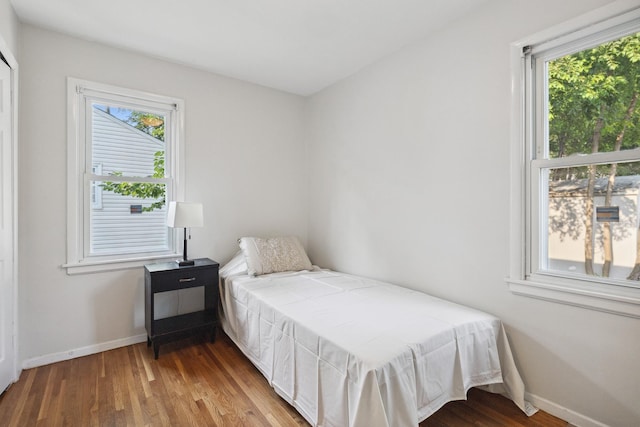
[{"x": 346, "y": 350}]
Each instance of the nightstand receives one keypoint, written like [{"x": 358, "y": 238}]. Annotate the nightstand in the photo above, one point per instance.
[{"x": 168, "y": 276}]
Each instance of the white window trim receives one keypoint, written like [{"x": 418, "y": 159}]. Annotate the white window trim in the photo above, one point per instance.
[
  {"x": 588, "y": 294},
  {"x": 77, "y": 195}
]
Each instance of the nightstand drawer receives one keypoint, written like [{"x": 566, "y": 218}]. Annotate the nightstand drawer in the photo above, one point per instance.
[{"x": 173, "y": 280}]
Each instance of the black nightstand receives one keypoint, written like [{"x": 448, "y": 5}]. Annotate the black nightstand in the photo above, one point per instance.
[{"x": 168, "y": 276}]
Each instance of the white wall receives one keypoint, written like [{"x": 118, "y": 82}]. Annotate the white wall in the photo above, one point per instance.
[
  {"x": 9, "y": 26},
  {"x": 409, "y": 172},
  {"x": 244, "y": 157}
]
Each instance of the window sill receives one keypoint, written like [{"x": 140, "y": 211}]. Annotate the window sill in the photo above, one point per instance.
[
  {"x": 87, "y": 267},
  {"x": 593, "y": 296}
]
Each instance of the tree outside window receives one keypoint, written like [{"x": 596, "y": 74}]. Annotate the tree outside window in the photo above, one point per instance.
[{"x": 592, "y": 200}]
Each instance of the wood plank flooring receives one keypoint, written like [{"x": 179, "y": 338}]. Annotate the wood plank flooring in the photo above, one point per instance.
[{"x": 193, "y": 383}]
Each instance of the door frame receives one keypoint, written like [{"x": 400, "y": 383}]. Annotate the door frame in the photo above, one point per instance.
[{"x": 13, "y": 65}]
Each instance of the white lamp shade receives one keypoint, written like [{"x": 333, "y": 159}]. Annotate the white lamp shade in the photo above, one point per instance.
[{"x": 184, "y": 215}]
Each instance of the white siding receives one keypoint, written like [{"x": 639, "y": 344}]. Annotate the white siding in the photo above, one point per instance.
[{"x": 119, "y": 147}]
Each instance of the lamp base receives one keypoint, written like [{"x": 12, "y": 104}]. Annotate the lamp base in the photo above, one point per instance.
[{"x": 186, "y": 262}]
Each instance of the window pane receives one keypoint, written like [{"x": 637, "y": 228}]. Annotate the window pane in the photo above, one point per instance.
[
  {"x": 125, "y": 223},
  {"x": 593, "y": 219},
  {"x": 128, "y": 142},
  {"x": 592, "y": 99}
]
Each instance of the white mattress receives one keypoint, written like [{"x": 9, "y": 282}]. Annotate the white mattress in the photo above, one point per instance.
[{"x": 349, "y": 351}]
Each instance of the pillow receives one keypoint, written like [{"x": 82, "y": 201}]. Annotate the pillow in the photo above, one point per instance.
[
  {"x": 237, "y": 265},
  {"x": 274, "y": 255}
]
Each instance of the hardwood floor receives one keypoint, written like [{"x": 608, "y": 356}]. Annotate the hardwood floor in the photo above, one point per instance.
[{"x": 193, "y": 383}]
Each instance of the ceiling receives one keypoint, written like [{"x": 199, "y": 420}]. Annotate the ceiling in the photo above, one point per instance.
[{"x": 299, "y": 46}]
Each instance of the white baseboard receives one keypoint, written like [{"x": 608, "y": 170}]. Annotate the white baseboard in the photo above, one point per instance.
[
  {"x": 83, "y": 351},
  {"x": 566, "y": 414}
]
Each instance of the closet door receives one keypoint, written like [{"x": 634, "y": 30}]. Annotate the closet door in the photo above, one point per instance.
[{"x": 7, "y": 281}]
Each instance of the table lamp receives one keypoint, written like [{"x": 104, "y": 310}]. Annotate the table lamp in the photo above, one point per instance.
[{"x": 185, "y": 215}]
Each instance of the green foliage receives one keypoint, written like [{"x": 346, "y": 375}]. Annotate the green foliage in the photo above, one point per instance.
[
  {"x": 146, "y": 121},
  {"x": 590, "y": 86}
]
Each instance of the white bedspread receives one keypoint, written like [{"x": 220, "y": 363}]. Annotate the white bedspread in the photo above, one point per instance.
[{"x": 349, "y": 351}]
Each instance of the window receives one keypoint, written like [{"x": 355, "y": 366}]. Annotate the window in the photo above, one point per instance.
[
  {"x": 124, "y": 154},
  {"x": 576, "y": 164}
]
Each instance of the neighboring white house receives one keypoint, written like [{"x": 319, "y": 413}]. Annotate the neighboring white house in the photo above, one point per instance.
[
  {"x": 116, "y": 220},
  {"x": 567, "y": 206}
]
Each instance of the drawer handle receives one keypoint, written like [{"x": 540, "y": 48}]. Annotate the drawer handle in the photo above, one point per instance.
[{"x": 190, "y": 279}]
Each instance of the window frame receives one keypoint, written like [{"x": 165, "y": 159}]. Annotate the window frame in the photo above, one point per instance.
[
  {"x": 526, "y": 208},
  {"x": 79, "y": 173}
]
